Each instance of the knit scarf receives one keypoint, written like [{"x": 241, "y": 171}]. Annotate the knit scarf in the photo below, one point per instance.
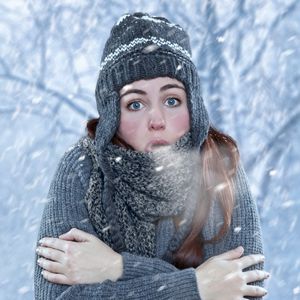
[{"x": 138, "y": 189}]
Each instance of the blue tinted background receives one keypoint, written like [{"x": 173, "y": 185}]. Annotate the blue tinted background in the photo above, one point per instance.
[{"x": 247, "y": 53}]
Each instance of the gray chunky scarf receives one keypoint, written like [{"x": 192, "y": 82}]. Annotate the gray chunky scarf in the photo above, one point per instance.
[{"x": 136, "y": 190}]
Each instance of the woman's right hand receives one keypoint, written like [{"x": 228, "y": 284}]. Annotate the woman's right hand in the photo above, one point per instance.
[{"x": 222, "y": 276}]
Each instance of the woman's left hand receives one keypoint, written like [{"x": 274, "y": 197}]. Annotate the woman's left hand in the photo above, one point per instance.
[{"x": 77, "y": 257}]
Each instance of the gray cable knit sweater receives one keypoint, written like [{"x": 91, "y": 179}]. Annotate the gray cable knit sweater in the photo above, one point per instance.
[{"x": 143, "y": 278}]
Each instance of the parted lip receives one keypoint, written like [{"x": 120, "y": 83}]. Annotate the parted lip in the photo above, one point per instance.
[{"x": 155, "y": 142}]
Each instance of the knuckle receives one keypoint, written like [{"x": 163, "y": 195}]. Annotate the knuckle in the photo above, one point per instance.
[
  {"x": 241, "y": 275},
  {"x": 47, "y": 241},
  {"x": 73, "y": 230},
  {"x": 68, "y": 262},
  {"x": 74, "y": 279},
  {"x": 45, "y": 263},
  {"x": 251, "y": 259},
  {"x": 257, "y": 291},
  {"x": 256, "y": 258},
  {"x": 243, "y": 289},
  {"x": 49, "y": 276},
  {"x": 52, "y": 277},
  {"x": 240, "y": 279},
  {"x": 54, "y": 257},
  {"x": 260, "y": 274},
  {"x": 236, "y": 265},
  {"x": 45, "y": 274},
  {"x": 46, "y": 252},
  {"x": 68, "y": 248}
]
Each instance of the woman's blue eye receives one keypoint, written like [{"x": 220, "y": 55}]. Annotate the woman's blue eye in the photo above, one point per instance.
[
  {"x": 173, "y": 101},
  {"x": 136, "y": 105}
]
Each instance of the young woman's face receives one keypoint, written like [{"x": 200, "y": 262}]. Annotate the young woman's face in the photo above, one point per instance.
[{"x": 153, "y": 112}]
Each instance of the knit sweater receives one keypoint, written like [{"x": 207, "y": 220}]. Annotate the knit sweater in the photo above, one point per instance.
[{"x": 142, "y": 278}]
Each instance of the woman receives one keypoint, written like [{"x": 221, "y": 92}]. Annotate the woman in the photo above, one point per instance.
[{"x": 153, "y": 203}]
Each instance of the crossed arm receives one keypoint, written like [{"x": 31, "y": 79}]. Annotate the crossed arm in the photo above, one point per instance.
[{"x": 141, "y": 278}]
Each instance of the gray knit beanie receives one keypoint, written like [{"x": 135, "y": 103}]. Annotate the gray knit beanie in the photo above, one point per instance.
[{"x": 141, "y": 46}]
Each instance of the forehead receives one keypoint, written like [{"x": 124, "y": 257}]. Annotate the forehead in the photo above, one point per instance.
[{"x": 150, "y": 83}]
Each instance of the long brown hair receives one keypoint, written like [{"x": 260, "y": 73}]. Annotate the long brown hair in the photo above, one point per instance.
[{"x": 219, "y": 159}]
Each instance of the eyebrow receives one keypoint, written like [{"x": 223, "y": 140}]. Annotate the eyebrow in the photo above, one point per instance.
[{"x": 163, "y": 88}]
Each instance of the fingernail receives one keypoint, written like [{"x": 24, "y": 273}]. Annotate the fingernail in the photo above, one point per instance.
[
  {"x": 265, "y": 291},
  {"x": 267, "y": 275},
  {"x": 37, "y": 250},
  {"x": 41, "y": 241}
]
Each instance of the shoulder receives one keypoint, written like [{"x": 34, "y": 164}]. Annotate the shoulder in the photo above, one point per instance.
[
  {"x": 241, "y": 183},
  {"x": 77, "y": 161}
]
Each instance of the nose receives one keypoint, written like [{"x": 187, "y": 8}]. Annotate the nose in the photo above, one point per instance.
[{"x": 156, "y": 120}]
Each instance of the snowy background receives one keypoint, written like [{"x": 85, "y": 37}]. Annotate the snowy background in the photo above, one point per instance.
[{"x": 247, "y": 53}]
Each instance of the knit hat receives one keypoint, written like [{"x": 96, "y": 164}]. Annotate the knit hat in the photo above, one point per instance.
[{"x": 141, "y": 46}]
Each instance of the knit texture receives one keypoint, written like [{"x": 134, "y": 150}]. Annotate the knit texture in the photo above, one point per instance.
[
  {"x": 141, "y": 46},
  {"x": 90, "y": 190},
  {"x": 144, "y": 192},
  {"x": 66, "y": 208},
  {"x": 143, "y": 278}
]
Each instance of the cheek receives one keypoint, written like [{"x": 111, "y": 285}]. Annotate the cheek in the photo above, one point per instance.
[
  {"x": 129, "y": 126},
  {"x": 180, "y": 121}
]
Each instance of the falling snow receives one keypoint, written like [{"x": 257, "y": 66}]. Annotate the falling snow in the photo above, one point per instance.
[
  {"x": 118, "y": 158},
  {"x": 159, "y": 168},
  {"x": 150, "y": 48},
  {"x": 237, "y": 229},
  {"x": 296, "y": 290},
  {"x": 161, "y": 288},
  {"x": 81, "y": 158},
  {"x": 105, "y": 228},
  {"x": 248, "y": 57}
]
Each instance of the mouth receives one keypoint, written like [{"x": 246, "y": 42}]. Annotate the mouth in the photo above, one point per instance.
[{"x": 156, "y": 144}]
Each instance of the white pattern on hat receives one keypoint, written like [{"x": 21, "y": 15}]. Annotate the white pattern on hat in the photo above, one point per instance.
[{"x": 127, "y": 47}]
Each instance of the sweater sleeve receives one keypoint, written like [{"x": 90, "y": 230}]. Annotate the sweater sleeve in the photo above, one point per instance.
[
  {"x": 149, "y": 278},
  {"x": 175, "y": 285},
  {"x": 245, "y": 228}
]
